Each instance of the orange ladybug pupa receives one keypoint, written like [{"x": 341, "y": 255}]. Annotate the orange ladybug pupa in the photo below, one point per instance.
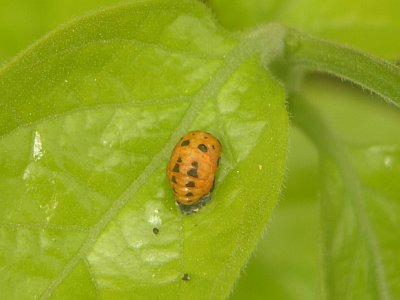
[{"x": 191, "y": 169}]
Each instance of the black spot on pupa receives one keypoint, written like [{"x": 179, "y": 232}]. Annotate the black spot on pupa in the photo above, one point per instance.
[
  {"x": 203, "y": 148},
  {"x": 189, "y": 194},
  {"x": 218, "y": 161},
  {"x": 176, "y": 168},
  {"x": 206, "y": 137},
  {"x": 179, "y": 159},
  {"x": 185, "y": 143},
  {"x": 193, "y": 173},
  {"x": 186, "y": 277},
  {"x": 195, "y": 164},
  {"x": 213, "y": 146},
  {"x": 156, "y": 230},
  {"x": 190, "y": 184},
  {"x": 173, "y": 179}
]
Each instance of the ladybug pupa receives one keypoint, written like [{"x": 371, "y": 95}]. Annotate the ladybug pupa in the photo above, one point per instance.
[{"x": 192, "y": 168}]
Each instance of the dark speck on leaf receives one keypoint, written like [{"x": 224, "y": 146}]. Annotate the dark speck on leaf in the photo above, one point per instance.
[
  {"x": 156, "y": 230},
  {"x": 186, "y": 277}
]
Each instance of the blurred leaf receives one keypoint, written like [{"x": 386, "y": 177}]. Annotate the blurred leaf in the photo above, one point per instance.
[
  {"x": 359, "y": 235},
  {"x": 89, "y": 117},
  {"x": 357, "y": 116},
  {"x": 370, "y": 25},
  {"x": 24, "y": 21},
  {"x": 361, "y": 209}
]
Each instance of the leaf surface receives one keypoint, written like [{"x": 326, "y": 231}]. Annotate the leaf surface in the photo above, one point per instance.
[{"x": 89, "y": 117}]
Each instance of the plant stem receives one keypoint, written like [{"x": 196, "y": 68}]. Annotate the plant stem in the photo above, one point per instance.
[{"x": 371, "y": 73}]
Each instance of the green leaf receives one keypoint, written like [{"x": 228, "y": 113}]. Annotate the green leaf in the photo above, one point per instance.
[
  {"x": 89, "y": 118},
  {"x": 369, "y": 25},
  {"x": 360, "y": 213},
  {"x": 24, "y": 21}
]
